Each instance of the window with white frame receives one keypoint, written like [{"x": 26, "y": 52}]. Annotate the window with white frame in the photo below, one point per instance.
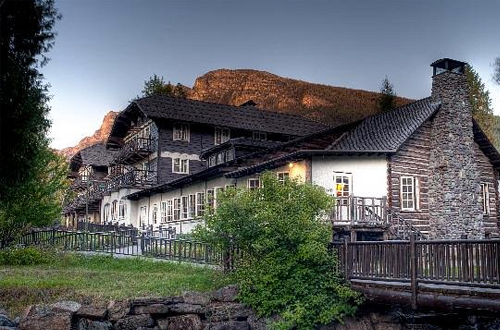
[
  {"x": 192, "y": 206},
  {"x": 155, "y": 214},
  {"x": 122, "y": 210},
  {"x": 259, "y": 136},
  {"x": 343, "y": 184},
  {"x": 217, "y": 194},
  {"x": 230, "y": 186},
  {"x": 177, "y": 209},
  {"x": 253, "y": 183},
  {"x": 485, "y": 195},
  {"x": 408, "y": 193},
  {"x": 200, "y": 204},
  {"x": 180, "y": 166},
  {"x": 163, "y": 212},
  {"x": 210, "y": 198},
  {"x": 185, "y": 207},
  {"x": 212, "y": 161},
  {"x": 229, "y": 155},
  {"x": 106, "y": 213},
  {"x": 221, "y": 135},
  {"x": 181, "y": 132},
  {"x": 282, "y": 177},
  {"x": 143, "y": 215},
  {"x": 114, "y": 210},
  {"x": 170, "y": 211}
]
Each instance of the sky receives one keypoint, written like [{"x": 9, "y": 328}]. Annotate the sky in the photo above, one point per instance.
[{"x": 105, "y": 50}]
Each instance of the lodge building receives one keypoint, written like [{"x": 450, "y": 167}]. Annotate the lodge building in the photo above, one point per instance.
[{"x": 425, "y": 168}]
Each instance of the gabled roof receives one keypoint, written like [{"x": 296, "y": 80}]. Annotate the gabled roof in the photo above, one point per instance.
[
  {"x": 95, "y": 155},
  {"x": 246, "y": 117},
  {"x": 387, "y": 131}
]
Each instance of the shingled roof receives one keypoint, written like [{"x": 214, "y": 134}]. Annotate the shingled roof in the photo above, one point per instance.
[
  {"x": 245, "y": 117},
  {"x": 95, "y": 155},
  {"x": 241, "y": 142},
  {"x": 387, "y": 131}
]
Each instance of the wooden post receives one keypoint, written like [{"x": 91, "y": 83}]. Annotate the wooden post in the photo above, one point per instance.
[
  {"x": 413, "y": 269},
  {"x": 345, "y": 255}
]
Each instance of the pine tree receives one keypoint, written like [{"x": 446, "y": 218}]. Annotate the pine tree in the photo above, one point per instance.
[
  {"x": 156, "y": 85},
  {"x": 496, "y": 74},
  {"x": 480, "y": 101},
  {"x": 387, "y": 99}
]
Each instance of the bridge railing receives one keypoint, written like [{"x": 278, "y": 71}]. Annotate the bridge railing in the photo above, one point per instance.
[{"x": 457, "y": 262}]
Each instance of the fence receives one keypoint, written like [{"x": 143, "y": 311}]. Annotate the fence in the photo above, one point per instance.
[
  {"x": 95, "y": 227},
  {"x": 123, "y": 243}
]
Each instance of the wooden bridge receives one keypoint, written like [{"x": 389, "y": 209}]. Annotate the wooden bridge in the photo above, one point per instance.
[{"x": 437, "y": 274}]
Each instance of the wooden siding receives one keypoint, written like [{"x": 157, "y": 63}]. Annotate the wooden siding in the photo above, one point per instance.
[
  {"x": 489, "y": 176},
  {"x": 412, "y": 159}
]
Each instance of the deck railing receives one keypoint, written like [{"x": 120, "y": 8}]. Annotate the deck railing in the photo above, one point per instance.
[
  {"x": 133, "y": 178},
  {"x": 136, "y": 148},
  {"x": 355, "y": 210}
]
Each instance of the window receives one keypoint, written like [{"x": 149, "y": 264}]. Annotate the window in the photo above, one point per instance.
[
  {"x": 114, "y": 210},
  {"x": 184, "y": 214},
  {"x": 200, "y": 204},
  {"x": 210, "y": 198},
  {"x": 155, "y": 214},
  {"x": 253, "y": 183},
  {"x": 163, "y": 212},
  {"x": 122, "y": 210},
  {"x": 221, "y": 135},
  {"x": 181, "y": 132},
  {"x": 408, "y": 193},
  {"x": 343, "y": 184},
  {"x": 220, "y": 158},
  {"x": 485, "y": 195},
  {"x": 217, "y": 193},
  {"x": 259, "y": 136},
  {"x": 231, "y": 186},
  {"x": 229, "y": 155},
  {"x": 192, "y": 206},
  {"x": 282, "y": 177},
  {"x": 177, "y": 209},
  {"x": 106, "y": 213},
  {"x": 212, "y": 161},
  {"x": 143, "y": 215},
  {"x": 170, "y": 211},
  {"x": 180, "y": 166}
]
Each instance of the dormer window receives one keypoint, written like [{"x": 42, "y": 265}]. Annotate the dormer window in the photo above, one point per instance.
[
  {"x": 221, "y": 135},
  {"x": 259, "y": 136},
  {"x": 181, "y": 132}
]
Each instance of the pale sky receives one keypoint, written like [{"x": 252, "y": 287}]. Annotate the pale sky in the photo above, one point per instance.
[{"x": 105, "y": 50}]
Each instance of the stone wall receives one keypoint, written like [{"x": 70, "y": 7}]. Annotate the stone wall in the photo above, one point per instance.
[{"x": 454, "y": 182}]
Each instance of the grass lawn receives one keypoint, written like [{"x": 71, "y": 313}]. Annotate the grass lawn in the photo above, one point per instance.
[{"x": 99, "y": 279}]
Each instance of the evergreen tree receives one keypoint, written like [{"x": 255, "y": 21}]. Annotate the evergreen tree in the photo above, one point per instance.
[
  {"x": 480, "y": 101},
  {"x": 156, "y": 85},
  {"x": 387, "y": 99},
  {"x": 496, "y": 74}
]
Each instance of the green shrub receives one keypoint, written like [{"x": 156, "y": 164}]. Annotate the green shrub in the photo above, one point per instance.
[
  {"x": 26, "y": 256},
  {"x": 286, "y": 267}
]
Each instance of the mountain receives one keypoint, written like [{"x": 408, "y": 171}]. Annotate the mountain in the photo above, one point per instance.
[
  {"x": 332, "y": 105},
  {"x": 99, "y": 136}
]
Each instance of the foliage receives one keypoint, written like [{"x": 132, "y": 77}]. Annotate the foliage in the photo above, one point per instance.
[
  {"x": 26, "y": 256},
  {"x": 26, "y": 35},
  {"x": 286, "y": 266},
  {"x": 480, "y": 101},
  {"x": 156, "y": 86},
  {"x": 387, "y": 98},
  {"x": 37, "y": 201},
  {"x": 496, "y": 74}
]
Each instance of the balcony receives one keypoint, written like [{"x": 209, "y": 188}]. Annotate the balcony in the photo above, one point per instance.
[
  {"x": 360, "y": 212},
  {"x": 131, "y": 179},
  {"x": 89, "y": 196},
  {"x": 136, "y": 149}
]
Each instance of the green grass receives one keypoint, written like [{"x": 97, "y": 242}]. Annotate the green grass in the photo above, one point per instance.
[{"x": 99, "y": 279}]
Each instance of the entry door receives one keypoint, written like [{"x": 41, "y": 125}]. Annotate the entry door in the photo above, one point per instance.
[{"x": 343, "y": 190}]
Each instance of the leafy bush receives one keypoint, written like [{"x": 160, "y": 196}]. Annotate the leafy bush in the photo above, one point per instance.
[
  {"x": 285, "y": 266},
  {"x": 26, "y": 256}
]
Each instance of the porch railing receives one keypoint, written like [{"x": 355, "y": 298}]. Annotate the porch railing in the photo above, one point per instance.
[
  {"x": 133, "y": 178},
  {"x": 355, "y": 210},
  {"x": 136, "y": 148}
]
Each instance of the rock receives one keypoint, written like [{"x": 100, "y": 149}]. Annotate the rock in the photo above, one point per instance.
[
  {"x": 152, "y": 309},
  {"x": 118, "y": 309},
  {"x": 227, "y": 311},
  {"x": 196, "y": 298},
  {"x": 150, "y": 301},
  {"x": 257, "y": 323},
  {"x": 228, "y": 325},
  {"x": 66, "y": 306},
  {"x": 5, "y": 321},
  {"x": 388, "y": 326},
  {"x": 133, "y": 322},
  {"x": 226, "y": 294},
  {"x": 46, "y": 321},
  {"x": 182, "y": 322},
  {"x": 183, "y": 308},
  {"x": 86, "y": 324},
  {"x": 352, "y": 323},
  {"x": 92, "y": 312}
]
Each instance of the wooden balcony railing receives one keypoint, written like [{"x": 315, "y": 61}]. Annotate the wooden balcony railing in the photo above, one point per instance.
[
  {"x": 354, "y": 210},
  {"x": 133, "y": 178},
  {"x": 135, "y": 149}
]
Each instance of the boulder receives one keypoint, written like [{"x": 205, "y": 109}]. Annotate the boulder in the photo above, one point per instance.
[
  {"x": 190, "y": 321},
  {"x": 92, "y": 312},
  {"x": 133, "y": 322},
  {"x": 183, "y": 308},
  {"x": 65, "y": 306},
  {"x": 217, "y": 312},
  {"x": 86, "y": 324},
  {"x": 227, "y": 325},
  {"x": 46, "y": 320},
  {"x": 152, "y": 309},
  {"x": 118, "y": 309},
  {"x": 196, "y": 298},
  {"x": 226, "y": 294}
]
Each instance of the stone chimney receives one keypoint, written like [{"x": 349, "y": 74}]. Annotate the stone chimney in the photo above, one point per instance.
[{"x": 454, "y": 182}]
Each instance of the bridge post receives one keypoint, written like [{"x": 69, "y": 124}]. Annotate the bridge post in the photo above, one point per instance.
[{"x": 413, "y": 270}]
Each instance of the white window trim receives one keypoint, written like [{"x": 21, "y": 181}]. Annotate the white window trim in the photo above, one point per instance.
[
  {"x": 170, "y": 210},
  {"x": 180, "y": 159},
  {"x": 177, "y": 209},
  {"x": 253, "y": 180},
  {"x": 200, "y": 204},
  {"x": 154, "y": 215},
  {"x": 219, "y": 131},
  {"x": 178, "y": 127},
  {"x": 282, "y": 181},
  {"x": 192, "y": 206},
  {"x": 415, "y": 192},
  {"x": 184, "y": 207},
  {"x": 163, "y": 212}
]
